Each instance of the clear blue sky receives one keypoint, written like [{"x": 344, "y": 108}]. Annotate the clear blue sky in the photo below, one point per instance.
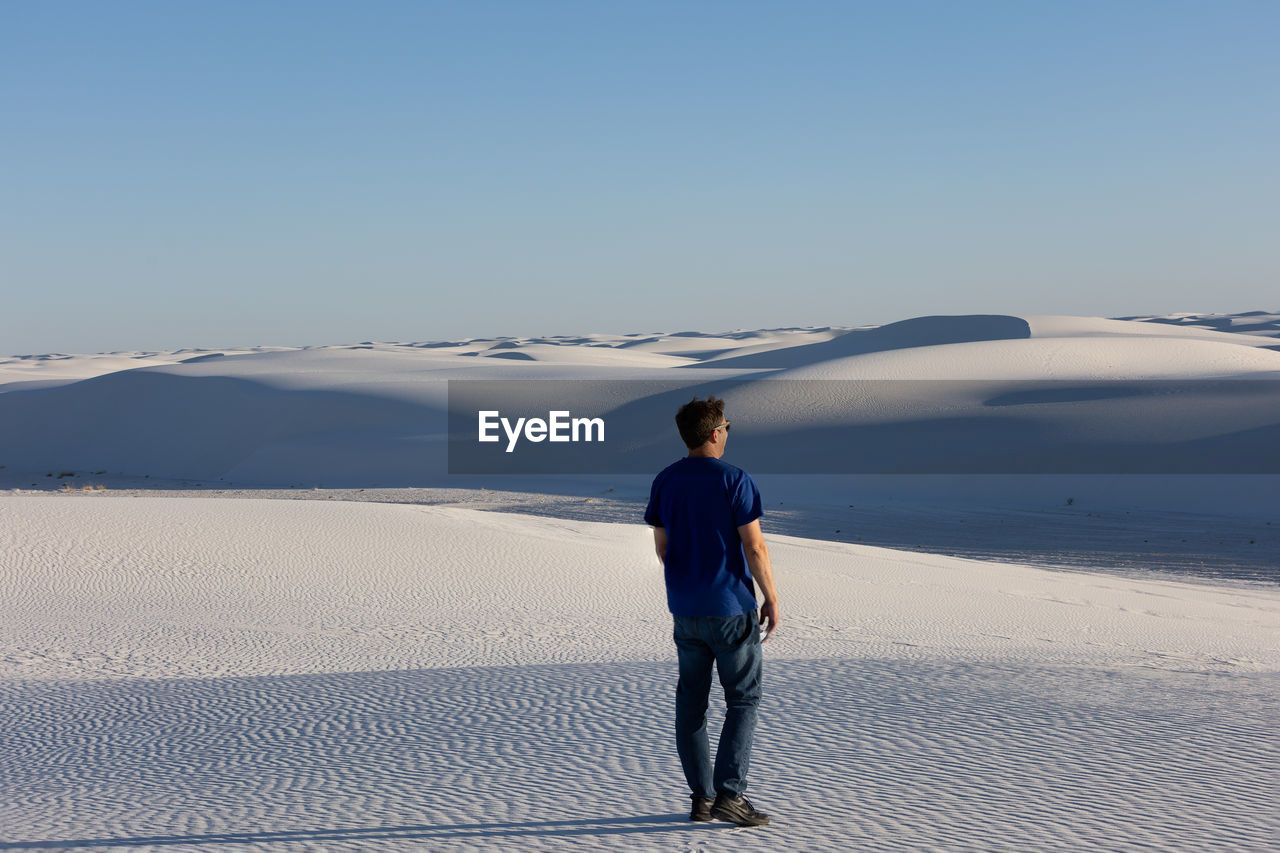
[{"x": 236, "y": 173}]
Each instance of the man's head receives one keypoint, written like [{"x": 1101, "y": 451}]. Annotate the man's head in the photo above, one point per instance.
[{"x": 703, "y": 426}]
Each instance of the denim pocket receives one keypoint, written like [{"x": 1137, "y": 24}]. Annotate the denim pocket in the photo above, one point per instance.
[{"x": 736, "y": 630}]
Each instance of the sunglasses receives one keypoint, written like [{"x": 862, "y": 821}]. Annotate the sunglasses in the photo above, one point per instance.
[{"x": 724, "y": 425}]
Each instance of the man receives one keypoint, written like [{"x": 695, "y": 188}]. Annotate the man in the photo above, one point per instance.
[{"x": 706, "y": 519}]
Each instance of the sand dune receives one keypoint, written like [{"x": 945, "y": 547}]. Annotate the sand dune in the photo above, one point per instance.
[
  {"x": 1262, "y": 323},
  {"x": 1051, "y": 358},
  {"x": 374, "y": 413}
]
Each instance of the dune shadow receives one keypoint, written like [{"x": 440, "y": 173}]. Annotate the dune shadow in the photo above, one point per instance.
[
  {"x": 916, "y": 332},
  {"x": 201, "y": 428}
]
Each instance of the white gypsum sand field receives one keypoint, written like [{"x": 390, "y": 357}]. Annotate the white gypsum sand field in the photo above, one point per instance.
[
  {"x": 239, "y": 673},
  {"x": 257, "y": 674}
]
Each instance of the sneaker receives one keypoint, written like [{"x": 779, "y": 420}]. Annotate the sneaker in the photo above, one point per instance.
[
  {"x": 737, "y": 810},
  {"x": 701, "y": 809}
]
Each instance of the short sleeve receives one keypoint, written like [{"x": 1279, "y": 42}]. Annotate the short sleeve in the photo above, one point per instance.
[
  {"x": 746, "y": 501},
  {"x": 652, "y": 512}
]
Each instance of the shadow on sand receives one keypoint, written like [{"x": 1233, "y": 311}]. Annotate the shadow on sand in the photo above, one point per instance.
[{"x": 449, "y": 832}]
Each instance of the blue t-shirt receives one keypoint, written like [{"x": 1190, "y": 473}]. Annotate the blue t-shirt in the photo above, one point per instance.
[{"x": 702, "y": 502}]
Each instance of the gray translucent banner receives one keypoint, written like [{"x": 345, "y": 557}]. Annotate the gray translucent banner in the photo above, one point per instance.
[{"x": 588, "y": 426}]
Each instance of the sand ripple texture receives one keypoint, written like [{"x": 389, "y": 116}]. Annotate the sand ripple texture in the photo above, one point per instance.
[
  {"x": 273, "y": 675},
  {"x": 851, "y": 755}
]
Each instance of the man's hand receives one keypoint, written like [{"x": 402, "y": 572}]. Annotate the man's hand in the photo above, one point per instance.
[{"x": 769, "y": 618}]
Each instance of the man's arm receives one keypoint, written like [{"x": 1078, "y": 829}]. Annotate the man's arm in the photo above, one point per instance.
[
  {"x": 660, "y": 543},
  {"x": 758, "y": 562}
]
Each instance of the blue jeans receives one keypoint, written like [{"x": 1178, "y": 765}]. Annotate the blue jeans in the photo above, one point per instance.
[{"x": 732, "y": 644}]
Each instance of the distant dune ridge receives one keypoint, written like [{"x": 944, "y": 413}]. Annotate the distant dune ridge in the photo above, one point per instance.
[{"x": 375, "y": 412}]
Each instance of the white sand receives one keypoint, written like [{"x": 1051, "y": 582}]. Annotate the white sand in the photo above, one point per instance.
[
  {"x": 373, "y": 414},
  {"x": 238, "y": 673},
  {"x": 271, "y": 675}
]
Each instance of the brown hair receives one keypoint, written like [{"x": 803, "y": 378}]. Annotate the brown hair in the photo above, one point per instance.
[{"x": 697, "y": 418}]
